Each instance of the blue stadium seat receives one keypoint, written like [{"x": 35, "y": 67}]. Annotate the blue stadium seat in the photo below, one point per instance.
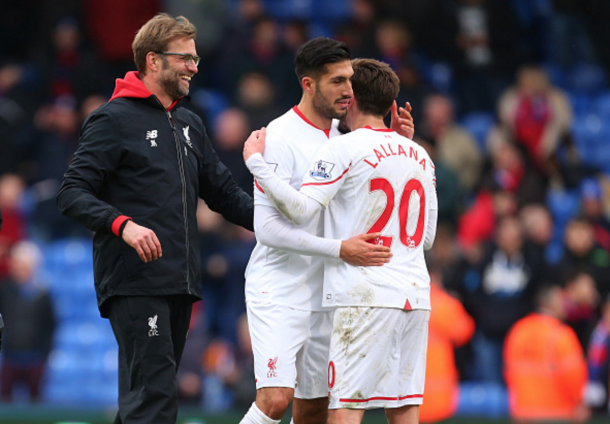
[
  {"x": 602, "y": 105},
  {"x": 557, "y": 75},
  {"x": 563, "y": 205},
  {"x": 479, "y": 124},
  {"x": 212, "y": 101},
  {"x": 587, "y": 78},
  {"x": 438, "y": 74},
  {"x": 483, "y": 399},
  {"x": 334, "y": 11}
]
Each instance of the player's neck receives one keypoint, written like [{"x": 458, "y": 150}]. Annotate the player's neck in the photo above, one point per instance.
[
  {"x": 361, "y": 121},
  {"x": 307, "y": 109}
]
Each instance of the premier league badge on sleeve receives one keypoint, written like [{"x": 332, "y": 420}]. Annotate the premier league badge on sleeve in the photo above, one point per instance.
[{"x": 322, "y": 170}]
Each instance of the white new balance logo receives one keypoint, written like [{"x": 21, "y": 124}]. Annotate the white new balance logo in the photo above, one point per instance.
[
  {"x": 152, "y": 322},
  {"x": 152, "y": 135}
]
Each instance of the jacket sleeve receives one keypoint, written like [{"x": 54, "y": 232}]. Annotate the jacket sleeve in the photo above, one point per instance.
[
  {"x": 96, "y": 158},
  {"x": 220, "y": 191}
]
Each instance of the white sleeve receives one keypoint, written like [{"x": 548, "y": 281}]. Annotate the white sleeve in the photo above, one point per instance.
[
  {"x": 432, "y": 212},
  {"x": 274, "y": 230},
  {"x": 298, "y": 207}
]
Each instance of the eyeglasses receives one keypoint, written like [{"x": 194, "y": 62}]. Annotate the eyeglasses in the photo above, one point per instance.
[{"x": 188, "y": 58}]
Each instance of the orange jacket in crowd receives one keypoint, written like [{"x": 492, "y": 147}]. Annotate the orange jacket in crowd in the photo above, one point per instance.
[
  {"x": 450, "y": 326},
  {"x": 545, "y": 369}
]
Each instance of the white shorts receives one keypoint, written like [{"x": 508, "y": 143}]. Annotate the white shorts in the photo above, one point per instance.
[
  {"x": 290, "y": 348},
  {"x": 377, "y": 358}
]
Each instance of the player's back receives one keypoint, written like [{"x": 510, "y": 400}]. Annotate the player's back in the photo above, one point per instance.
[
  {"x": 389, "y": 188},
  {"x": 275, "y": 275}
]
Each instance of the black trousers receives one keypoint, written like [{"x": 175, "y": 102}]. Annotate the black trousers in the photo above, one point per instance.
[{"x": 151, "y": 332}]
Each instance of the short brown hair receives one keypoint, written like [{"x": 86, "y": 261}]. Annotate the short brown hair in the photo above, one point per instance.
[
  {"x": 375, "y": 86},
  {"x": 156, "y": 34}
]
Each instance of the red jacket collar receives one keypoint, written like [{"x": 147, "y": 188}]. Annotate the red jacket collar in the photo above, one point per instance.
[{"x": 130, "y": 86}]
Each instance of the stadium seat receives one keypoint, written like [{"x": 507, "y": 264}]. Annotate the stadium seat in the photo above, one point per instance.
[
  {"x": 587, "y": 78},
  {"x": 479, "y": 124},
  {"x": 483, "y": 400},
  {"x": 563, "y": 205},
  {"x": 602, "y": 105},
  {"x": 212, "y": 101}
]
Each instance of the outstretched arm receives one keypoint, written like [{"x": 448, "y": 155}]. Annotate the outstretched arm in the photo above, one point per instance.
[{"x": 294, "y": 205}]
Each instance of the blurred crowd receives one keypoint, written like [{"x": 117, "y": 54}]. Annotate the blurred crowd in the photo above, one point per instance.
[{"x": 508, "y": 98}]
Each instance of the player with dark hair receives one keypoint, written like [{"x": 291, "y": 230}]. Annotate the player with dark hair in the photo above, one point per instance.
[
  {"x": 381, "y": 184},
  {"x": 289, "y": 326}
]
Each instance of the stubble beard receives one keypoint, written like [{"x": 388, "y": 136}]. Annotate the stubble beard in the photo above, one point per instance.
[
  {"x": 324, "y": 107},
  {"x": 170, "y": 82}
]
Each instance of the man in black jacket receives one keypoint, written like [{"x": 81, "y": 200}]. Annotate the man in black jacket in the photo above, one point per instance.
[{"x": 141, "y": 164}]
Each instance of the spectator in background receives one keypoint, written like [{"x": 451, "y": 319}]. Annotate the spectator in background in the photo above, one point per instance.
[
  {"x": 569, "y": 42},
  {"x": 598, "y": 357},
  {"x": 231, "y": 129},
  {"x": 582, "y": 253},
  {"x": 55, "y": 144},
  {"x": 256, "y": 96},
  {"x": 67, "y": 67},
  {"x": 14, "y": 228},
  {"x": 28, "y": 314},
  {"x": 449, "y": 192},
  {"x": 508, "y": 280},
  {"x": 580, "y": 303},
  {"x": 17, "y": 105},
  {"x": 228, "y": 371},
  {"x": 111, "y": 25},
  {"x": 455, "y": 145},
  {"x": 265, "y": 53},
  {"x": 538, "y": 229},
  {"x": 359, "y": 31},
  {"x": 394, "y": 45},
  {"x": 508, "y": 169},
  {"x": 591, "y": 198},
  {"x": 450, "y": 326},
  {"x": 478, "y": 223},
  {"x": 486, "y": 51},
  {"x": 545, "y": 367},
  {"x": 536, "y": 114}
]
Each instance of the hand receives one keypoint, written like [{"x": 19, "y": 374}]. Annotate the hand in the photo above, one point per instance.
[
  {"x": 255, "y": 143},
  {"x": 402, "y": 124},
  {"x": 358, "y": 251},
  {"x": 144, "y": 240}
]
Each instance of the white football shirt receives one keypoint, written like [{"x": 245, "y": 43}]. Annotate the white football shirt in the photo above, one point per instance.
[
  {"x": 275, "y": 275},
  {"x": 382, "y": 182}
]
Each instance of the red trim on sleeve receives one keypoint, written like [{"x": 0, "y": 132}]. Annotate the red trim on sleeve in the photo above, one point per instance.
[
  {"x": 304, "y": 118},
  {"x": 259, "y": 187},
  {"x": 116, "y": 224},
  {"x": 328, "y": 182},
  {"x": 408, "y": 306}
]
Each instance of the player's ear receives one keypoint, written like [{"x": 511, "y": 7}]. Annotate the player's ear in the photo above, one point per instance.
[{"x": 308, "y": 84}]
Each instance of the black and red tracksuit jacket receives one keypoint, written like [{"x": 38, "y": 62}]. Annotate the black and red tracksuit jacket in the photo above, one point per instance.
[{"x": 139, "y": 160}]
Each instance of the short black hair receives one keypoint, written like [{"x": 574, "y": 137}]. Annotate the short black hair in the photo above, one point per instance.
[{"x": 313, "y": 56}]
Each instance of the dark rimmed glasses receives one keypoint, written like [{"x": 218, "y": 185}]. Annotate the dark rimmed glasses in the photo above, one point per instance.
[{"x": 188, "y": 58}]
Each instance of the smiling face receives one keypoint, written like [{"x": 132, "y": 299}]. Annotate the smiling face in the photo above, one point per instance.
[
  {"x": 175, "y": 75},
  {"x": 333, "y": 90}
]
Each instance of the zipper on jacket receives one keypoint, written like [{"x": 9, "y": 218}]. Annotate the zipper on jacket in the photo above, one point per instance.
[{"x": 184, "y": 203}]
